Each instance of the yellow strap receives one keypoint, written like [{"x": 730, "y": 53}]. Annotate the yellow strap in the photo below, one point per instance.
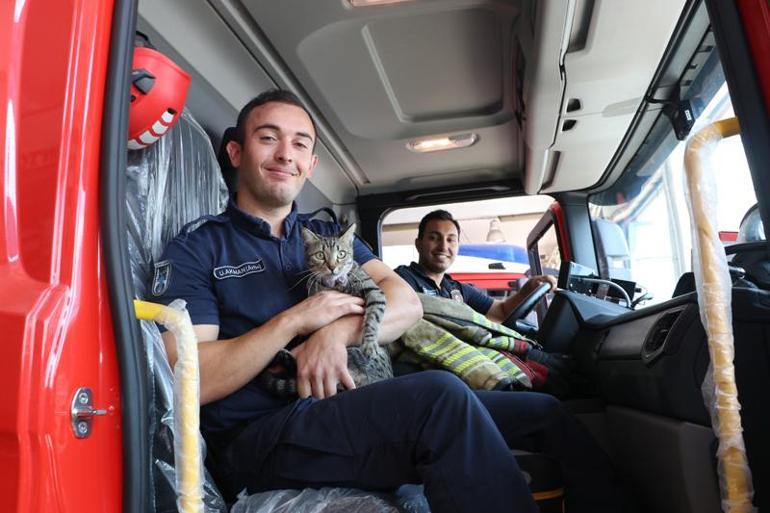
[{"x": 147, "y": 311}]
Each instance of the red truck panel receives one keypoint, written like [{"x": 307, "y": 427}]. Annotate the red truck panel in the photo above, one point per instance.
[{"x": 54, "y": 315}]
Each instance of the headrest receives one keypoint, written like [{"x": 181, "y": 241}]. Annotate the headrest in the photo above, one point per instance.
[
  {"x": 613, "y": 239},
  {"x": 751, "y": 228},
  {"x": 229, "y": 172}
]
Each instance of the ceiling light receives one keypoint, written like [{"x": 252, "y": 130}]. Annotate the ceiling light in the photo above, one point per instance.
[
  {"x": 366, "y": 3},
  {"x": 449, "y": 142}
]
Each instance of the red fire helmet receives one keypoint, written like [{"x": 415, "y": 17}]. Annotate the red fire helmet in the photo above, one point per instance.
[{"x": 158, "y": 92}]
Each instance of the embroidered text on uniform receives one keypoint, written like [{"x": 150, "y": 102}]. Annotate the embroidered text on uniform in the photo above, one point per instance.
[{"x": 232, "y": 271}]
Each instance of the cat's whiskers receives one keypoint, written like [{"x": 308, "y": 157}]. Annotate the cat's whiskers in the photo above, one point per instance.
[
  {"x": 307, "y": 275},
  {"x": 315, "y": 278}
]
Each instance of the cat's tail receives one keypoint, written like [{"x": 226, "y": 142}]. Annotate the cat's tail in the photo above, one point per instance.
[{"x": 279, "y": 377}]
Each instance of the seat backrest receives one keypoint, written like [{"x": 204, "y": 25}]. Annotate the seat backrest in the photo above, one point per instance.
[
  {"x": 229, "y": 172},
  {"x": 169, "y": 184},
  {"x": 615, "y": 248}
]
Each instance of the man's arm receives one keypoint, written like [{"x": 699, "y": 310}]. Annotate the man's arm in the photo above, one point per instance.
[
  {"x": 322, "y": 359},
  {"x": 227, "y": 365},
  {"x": 501, "y": 308},
  {"x": 404, "y": 307}
]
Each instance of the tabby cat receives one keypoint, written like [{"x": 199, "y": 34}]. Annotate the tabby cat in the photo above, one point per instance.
[{"x": 330, "y": 265}]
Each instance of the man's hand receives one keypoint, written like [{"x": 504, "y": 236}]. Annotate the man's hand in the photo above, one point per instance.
[
  {"x": 501, "y": 308},
  {"x": 322, "y": 309},
  {"x": 322, "y": 360},
  {"x": 533, "y": 283}
]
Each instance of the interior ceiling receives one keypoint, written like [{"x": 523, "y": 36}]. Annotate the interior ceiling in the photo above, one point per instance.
[
  {"x": 384, "y": 75},
  {"x": 511, "y": 71}
]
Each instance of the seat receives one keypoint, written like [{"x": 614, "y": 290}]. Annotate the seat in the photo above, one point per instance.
[
  {"x": 169, "y": 184},
  {"x": 615, "y": 248},
  {"x": 229, "y": 173}
]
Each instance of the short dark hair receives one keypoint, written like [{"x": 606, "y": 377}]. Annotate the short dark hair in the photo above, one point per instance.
[
  {"x": 271, "y": 95},
  {"x": 441, "y": 215}
]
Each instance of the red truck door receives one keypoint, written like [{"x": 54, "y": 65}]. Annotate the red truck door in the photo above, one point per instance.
[{"x": 55, "y": 326}]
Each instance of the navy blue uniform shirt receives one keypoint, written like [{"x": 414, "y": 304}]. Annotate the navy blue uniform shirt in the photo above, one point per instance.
[
  {"x": 450, "y": 288},
  {"x": 233, "y": 273}
]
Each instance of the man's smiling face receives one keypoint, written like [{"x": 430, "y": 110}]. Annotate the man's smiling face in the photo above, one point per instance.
[
  {"x": 438, "y": 245},
  {"x": 276, "y": 157}
]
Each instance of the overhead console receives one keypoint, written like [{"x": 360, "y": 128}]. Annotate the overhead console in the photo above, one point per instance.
[{"x": 577, "y": 113}]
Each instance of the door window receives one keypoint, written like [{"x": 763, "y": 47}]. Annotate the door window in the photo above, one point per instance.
[{"x": 642, "y": 227}]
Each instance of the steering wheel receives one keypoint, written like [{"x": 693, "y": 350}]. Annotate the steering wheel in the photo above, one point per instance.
[{"x": 527, "y": 304}]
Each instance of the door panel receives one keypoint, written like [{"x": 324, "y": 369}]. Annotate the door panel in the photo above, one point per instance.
[{"x": 57, "y": 333}]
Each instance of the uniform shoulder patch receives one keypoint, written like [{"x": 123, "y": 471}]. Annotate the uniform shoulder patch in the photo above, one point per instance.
[{"x": 162, "y": 277}]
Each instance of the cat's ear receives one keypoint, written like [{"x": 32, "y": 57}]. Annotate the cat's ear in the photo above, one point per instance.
[
  {"x": 308, "y": 236},
  {"x": 348, "y": 234}
]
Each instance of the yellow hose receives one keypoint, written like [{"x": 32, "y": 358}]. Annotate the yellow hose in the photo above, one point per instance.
[
  {"x": 189, "y": 465},
  {"x": 715, "y": 298}
]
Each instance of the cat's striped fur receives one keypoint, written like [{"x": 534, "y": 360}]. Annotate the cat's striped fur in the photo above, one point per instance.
[{"x": 330, "y": 265}]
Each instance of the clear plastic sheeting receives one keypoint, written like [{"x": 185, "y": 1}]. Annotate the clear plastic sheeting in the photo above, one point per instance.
[
  {"x": 325, "y": 500},
  {"x": 715, "y": 301},
  {"x": 406, "y": 499},
  {"x": 188, "y": 443},
  {"x": 169, "y": 184}
]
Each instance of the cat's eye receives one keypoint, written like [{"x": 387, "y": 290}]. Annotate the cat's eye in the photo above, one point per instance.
[
  {"x": 318, "y": 255},
  {"x": 341, "y": 254}
]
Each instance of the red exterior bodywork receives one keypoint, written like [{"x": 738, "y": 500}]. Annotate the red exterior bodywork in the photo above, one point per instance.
[
  {"x": 54, "y": 314},
  {"x": 561, "y": 226},
  {"x": 755, "y": 15},
  {"x": 488, "y": 281}
]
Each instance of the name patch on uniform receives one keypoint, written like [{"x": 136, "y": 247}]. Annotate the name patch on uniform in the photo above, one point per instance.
[
  {"x": 162, "y": 277},
  {"x": 429, "y": 292},
  {"x": 238, "y": 271}
]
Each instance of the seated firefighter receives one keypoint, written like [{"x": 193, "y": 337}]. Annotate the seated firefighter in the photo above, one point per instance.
[
  {"x": 239, "y": 274},
  {"x": 437, "y": 243}
]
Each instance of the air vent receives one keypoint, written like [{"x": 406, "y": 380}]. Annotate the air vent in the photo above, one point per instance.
[
  {"x": 655, "y": 342},
  {"x": 573, "y": 104},
  {"x": 568, "y": 125}
]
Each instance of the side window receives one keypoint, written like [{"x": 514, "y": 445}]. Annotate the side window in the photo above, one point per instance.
[
  {"x": 545, "y": 255},
  {"x": 543, "y": 246},
  {"x": 642, "y": 225},
  {"x": 548, "y": 252}
]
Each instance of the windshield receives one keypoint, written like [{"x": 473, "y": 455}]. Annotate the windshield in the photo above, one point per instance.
[{"x": 641, "y": 226}]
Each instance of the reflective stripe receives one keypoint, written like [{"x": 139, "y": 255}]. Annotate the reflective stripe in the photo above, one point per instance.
[{"x": 444, "y": 340}]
